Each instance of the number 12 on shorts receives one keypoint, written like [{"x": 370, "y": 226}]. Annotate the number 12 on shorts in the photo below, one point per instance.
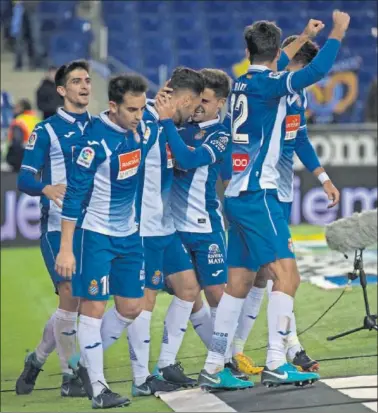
[{"x": 105, "y": 285}]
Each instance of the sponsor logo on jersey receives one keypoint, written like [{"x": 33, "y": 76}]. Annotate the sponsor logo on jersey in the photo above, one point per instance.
[
  {"x": 128, "y": 164},
  {"x": 214, "y": 255},
  {"x": 293, "y": 122},
  {"x": 169, "y": 156},
  {"x": 200, "y": 135},
  {"x": 146, "y": 135},
  {"x": 156, "y": 278},
  {"x": 93, "y": 288},
  {"x": 31, "y": 141},
  {"x": 86, "y": 157},
  {"x": 239, "y": 161}
]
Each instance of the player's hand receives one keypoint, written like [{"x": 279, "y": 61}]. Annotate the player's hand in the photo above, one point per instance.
[
  {"x": 332, "y": 193},
  {"x": 165, "y": 108},
  {"x": 165, "y": 91},
  {"x": 55, "y": 193},
  {"x": 341, "y": 20},
  {"x": 313, "y": 28},
  {"x": 65, "y": 264}
]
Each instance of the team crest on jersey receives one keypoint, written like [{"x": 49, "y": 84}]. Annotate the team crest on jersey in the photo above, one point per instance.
[
  {"x": 31, "y": 141},
  {"x": 86, "y": 157},
  {"x": 214, "y": 255},
  {"x": 136, "y": 137},
  {"x": 156, "y": 278},
  {"x": 276, "y": 75},
  {"x": 128, "y": 164},
  {"x": 200, "y": 135},
  {"x": 146, "y": 135},
  {"x": 93, "y": 288},
  {"x": 299, "y": 101},
  {"x": 169, "y": 156}
]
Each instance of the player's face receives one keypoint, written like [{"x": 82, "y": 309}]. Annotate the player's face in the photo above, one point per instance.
[
  {"x": 77, "y": 88},
  {"x": 209, "y": 107},
  {"x": 187, "y": 103},
  {"x": 128, "y": 114}
]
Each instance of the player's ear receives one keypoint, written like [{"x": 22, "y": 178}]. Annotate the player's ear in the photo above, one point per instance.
[
  {"x": 221, "y": 103},
  {"x": 112, "y": 107},
  {"x": 61, "y": 90}
]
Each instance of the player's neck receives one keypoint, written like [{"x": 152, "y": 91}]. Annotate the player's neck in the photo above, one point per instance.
[
  {"x": 270, "y": 65},
  {"x": 69, "y": 107}
]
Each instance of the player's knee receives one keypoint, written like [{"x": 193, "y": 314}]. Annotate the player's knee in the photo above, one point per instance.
[
  {"x": 240, "y": 281},
  {"x": 185, "y": 285},
  {"x": 214, "y": 294},
  {"x": 149, "y": 299},
  {"x": 94, "y": 309},
  {"x": 286, "y": 275},
  {"x": 189, "y": 292},
  {"x": 129, "y": 307},
  {"x": 66, "y": 301}
]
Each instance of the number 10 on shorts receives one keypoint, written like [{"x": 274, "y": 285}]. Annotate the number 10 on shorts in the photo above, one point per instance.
[{"x": 105, "y": 285}]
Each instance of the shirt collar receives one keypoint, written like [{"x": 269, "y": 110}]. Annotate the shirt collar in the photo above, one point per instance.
[
  {"x": 257, "y": 68},
  {"x": 209, "y": 122},
  {"x": 151, "y": 109},
  {"x": 105, "y": 118},
  {"x": 67, "y": 117}
]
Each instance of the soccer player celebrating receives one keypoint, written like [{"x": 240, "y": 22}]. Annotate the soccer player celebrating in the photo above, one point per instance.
[
  {"x": 49, "y": 152},
  {"x": 259, "y": 234},
  {"x": 199, "y": 148},
  {"x": 295, "y": 140},
  {"x": 100, "y": 203},
  {"x": 161, "y": 243}
]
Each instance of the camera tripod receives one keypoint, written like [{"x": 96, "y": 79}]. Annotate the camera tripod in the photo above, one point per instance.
[{"x": 370, "y": 320}]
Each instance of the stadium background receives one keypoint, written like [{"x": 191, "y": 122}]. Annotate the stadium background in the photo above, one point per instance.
[{"x": 153, "y": 37}]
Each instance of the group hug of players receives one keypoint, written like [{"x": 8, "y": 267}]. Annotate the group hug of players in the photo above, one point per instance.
[{"x": 129, "y": 207}]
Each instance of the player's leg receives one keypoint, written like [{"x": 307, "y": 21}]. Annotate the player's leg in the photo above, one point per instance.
[
  {"x": 127, "y": 286},
  {"x": 179, "y": 269},
  {"x": 240, "y": 280},
  {"x": 59, "y": 331},
  {"x": 276, "y": 249},
  {"x": 295, "y": 352},
  {"x": 201, "y": 320},
  {"x": 248, "y": 316},
  {"x": 93, "y": 252}
]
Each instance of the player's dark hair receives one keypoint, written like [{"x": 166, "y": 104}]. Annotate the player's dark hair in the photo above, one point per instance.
[
  {"x": 218, "y": 81},
  {"x": 306, "y": 53},
  {"x": 62, "y": 73},
  {"x": 126, "y": 83},
  {"x": 185, "y": 78},
  {"x": 263, "y": 40}
]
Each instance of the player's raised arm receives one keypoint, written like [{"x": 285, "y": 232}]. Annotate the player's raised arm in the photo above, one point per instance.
[
  {"x": 90, "y": 155},
  {"x": 287, "y": 83}
]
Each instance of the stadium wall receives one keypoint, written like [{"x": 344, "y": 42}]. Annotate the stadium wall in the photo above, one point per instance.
[{"x": 349, "y": 153}]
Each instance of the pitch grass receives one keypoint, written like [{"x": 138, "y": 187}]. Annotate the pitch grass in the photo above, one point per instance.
[{"x": 27, "y": 301}]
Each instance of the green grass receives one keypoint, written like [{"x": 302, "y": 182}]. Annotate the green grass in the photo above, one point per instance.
[{"x": 27, "y": 300}]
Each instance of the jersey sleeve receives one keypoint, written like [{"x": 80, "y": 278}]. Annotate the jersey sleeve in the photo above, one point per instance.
[
  {"x": 210, "y": 152},
  {"x": 283, "y": 61},
  {"x": 304, "y": 149},
  {"x": 87, "y": 158},
  {"x": 226, "y": 165},
  {"x": 36, "y": 150},
  {"x": 279, "y": 84}
]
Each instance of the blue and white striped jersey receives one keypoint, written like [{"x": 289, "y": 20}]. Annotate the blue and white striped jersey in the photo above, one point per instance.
[
  {"x": 49, "y": 151},
  {"x": 156, "y": 177},
  {"x": 258, "y": 112},
  {"x": 101, "y": 190},
  {"x": 195, "y": 204}
]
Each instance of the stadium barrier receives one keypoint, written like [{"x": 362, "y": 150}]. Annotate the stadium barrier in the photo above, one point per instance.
[{"x": 348, "y": 152}]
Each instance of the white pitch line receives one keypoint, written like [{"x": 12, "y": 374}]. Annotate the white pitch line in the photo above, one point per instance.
[
  {"x": 194, "y": 400},
  {"x": 345, "y": 382},
  {"x": 372, "y": 406}
]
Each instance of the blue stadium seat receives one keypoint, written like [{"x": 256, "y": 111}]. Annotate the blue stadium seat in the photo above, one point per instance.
[
  {"x": 65, "y": 46},
  {"x": 192, "y": 8},
  {"x": 57, "y": 8},
  {"x": 185, "y": 22},
  {"x": 187, "y": 41},
  {"x": 148, "y": 6},
  {"x": 150, "y": 22},
  {"x": 222, "y": 41},
  {"x": 126, "y": 50},
  {"x": 122, "y": 28},
  {"x": 197, "y": 60}
]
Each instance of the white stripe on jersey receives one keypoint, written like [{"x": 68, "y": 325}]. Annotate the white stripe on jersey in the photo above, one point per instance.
[
  {"x": 58, "y": 176},
  {"x": 269, "y": 174},
  {"x": 99, "y": 204},
  {"x": 152, "y": 208}
]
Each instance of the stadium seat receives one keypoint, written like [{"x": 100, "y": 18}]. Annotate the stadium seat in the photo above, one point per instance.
[
  {"x": 66, "y": 46},
  {"x": 191, "y": 8}
]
